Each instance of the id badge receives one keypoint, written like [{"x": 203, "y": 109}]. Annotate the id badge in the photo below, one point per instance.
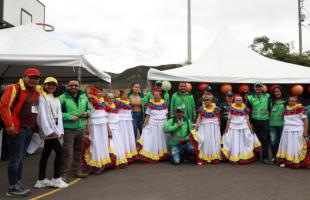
[
  {"x": 273, "y": 109},
  {"x": 34, "y": 109}
]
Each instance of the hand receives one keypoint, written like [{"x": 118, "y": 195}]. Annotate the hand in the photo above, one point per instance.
[
  {"x": 305, "y": 135},
  {"x": 84, "y": 114},
  {"x": 109, "y": 133},
  {"x": 74, "y": 118},
  {"x": 10, "y": 130},
  {"x": 144, "y": 125},
  {"x": 196, "y": 128}
]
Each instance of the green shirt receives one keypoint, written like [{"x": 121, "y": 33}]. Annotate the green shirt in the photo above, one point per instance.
[
  {"x": 224, "y": 111},
  {"x": 259, "y": 106},
  {"x": 71, "y": 107},
  {"x": 276, "y": 114},
  {"x": 175, "y": 133},
  {"x": 186, "y": 101}
]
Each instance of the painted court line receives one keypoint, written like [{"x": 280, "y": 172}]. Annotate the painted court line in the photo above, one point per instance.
[{"x": 54, "y": 191}]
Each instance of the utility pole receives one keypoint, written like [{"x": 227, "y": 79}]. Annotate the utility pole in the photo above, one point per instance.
[
  {"x": 300, "y": 27},
  {"x": 189, "y": 37}
]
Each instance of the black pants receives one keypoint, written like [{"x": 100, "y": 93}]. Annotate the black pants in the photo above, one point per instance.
[
  {"x": 49, "y": 145},
  {"x": 261, "y": 128}
]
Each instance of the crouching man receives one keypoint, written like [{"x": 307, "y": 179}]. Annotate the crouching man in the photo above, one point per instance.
[{"x": 178, "y": 129}]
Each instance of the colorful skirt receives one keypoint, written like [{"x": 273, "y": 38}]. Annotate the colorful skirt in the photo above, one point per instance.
[
  {"x": 117, "y": 151},
  {"x": 96, "y": 156},
  {"x": 207, "y": 143},
  {"x": 239, "y": 146},
  {"x": 128, "y": 140},
  {"x": 293, "y": 150},
  {"x": 152, "y": 144}
]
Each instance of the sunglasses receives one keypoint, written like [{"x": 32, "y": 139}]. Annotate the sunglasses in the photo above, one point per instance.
[
  {"x": 207, "y": 99},
  {"x": 73, "y": 85}
]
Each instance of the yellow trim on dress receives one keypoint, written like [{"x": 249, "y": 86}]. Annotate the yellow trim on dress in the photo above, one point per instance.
[
  {"x": 295, "y": 160},
  {"x": 237, "y": 107},
  {"x": 118, "y": 161},
  {"x": 288, "y": 107},
  {"x": 98, "y": 164},
  {"x": 210, "y": 110},
  {"x": 237, "y": 158},
  {"x": 209, "y": 158},
  {"x": 161, "y": 102}
]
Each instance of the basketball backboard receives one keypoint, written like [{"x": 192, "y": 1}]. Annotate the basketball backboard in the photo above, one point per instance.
[{"x": 20, "y": 12}]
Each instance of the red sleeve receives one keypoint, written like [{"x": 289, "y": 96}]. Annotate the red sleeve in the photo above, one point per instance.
[{"x": 5, "y": 106}]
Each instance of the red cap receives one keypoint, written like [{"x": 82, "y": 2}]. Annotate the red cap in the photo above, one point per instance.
[{"x": 32, "y": 72}]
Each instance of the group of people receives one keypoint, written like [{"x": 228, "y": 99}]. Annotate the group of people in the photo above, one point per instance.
[{"x": 100, "y": 131}]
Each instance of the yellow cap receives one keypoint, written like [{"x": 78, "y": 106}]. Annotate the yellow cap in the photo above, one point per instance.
[{"x": 50, "y": 80}]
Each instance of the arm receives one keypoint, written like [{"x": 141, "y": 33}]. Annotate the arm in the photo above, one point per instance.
[
  {"x": 172, "y": 105},
  {"x": 193, "y": 107},
  {"x": 6, "y": 114},
  {"x": 197, "y": 122},
  {"x": 190, "y": 128},
  {"x": 305, "y": 127},
  {"x": 250, "y": 125},
  {"x": 170, "y": 127},
  {"x": 227, "y": 126},
  {"x": 146, "y": 121}
]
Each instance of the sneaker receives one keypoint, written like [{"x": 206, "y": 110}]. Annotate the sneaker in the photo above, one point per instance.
[
  {"x": 59, "y": 183},
  {"x": 282, "y": 165},
  {"x": 43, "y": 183},
  {"x": 17, "y": 191}
]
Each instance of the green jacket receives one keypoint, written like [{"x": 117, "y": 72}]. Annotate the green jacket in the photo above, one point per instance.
[
  {"x": 259, "y": 106},
  {"x": 70, "y": 108},
  {"x": 143, "y": 102},
  {"x": 150, "y": 96},
  {"x": 276, "y": 117},
  {"x": 171, "y": 128},
  {"x": 186, "y": 101}
]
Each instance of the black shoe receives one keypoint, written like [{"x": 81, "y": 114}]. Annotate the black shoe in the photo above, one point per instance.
[{"x": 18, "y": 191}]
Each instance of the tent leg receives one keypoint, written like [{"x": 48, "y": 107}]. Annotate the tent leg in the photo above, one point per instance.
[
  {"x": 110, "y": 85},
  {"x": 80, "y": 74}
]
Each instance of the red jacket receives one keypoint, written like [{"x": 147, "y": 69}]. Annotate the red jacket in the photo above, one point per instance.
[{"x": 12, "y": 118}]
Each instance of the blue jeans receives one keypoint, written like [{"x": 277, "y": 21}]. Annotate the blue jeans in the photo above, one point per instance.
[
  {"x": 275, "y": 136},
  {"x": 137, "y": 122},
  {"x": 17, "y": 149},
  {"x": 180, "y": 149}
]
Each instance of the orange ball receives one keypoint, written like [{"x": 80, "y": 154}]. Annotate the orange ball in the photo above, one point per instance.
[
  {"x": 243, "y": 88},
  {"x": 265, "y": 88},
  {"x": 226, "y": 88},
  {"x": 202, "y": 86},
  {"x": 189, "y": 87},
  {"x": 297, "y": 90}
]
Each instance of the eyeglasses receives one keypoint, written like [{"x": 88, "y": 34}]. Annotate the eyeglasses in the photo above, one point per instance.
[{"x": 73, "y": 85}]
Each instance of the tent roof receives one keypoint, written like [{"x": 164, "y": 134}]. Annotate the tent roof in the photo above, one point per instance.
[
  {"x": 29, "y": 45},
  {"x": 228, "y": 60}
]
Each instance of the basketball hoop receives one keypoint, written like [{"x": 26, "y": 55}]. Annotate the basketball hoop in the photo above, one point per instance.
[{"x": 46, "y": 27}]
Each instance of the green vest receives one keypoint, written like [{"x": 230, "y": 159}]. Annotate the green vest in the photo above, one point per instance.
[
  {"x": 186, "y": 101},
  {"x": 70, "y": 108},
  {"x": 259, "y": 106},
  {"x": 276, "y": 114}
]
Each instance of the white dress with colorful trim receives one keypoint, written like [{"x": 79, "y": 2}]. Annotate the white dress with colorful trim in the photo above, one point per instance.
[
  {"x": 126, "y": 129},
  {"x": 152, "y": 144},
  {"x": 293, "y": 149},
  {"x": 239, "y": 144},
  {"x": 96, "y": 156},
  {"x": 117, "y": 151},
  {"x": 207, "y": 140}
]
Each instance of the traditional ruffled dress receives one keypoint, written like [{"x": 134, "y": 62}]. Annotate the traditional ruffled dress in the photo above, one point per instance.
[
  {"x": 207, "y": 140},
  {"x": 117, "y": 151},
  {"x": 239, "y": 144},
  {"x": 96, "y": 156},
  {"x": 126, "y": 129},
  {"x": 293, "y": 149},
  {"x": 152, "y": 144}
]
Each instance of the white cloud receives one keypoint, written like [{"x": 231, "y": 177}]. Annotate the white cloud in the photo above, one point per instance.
[{"x": 120, "y": 34}]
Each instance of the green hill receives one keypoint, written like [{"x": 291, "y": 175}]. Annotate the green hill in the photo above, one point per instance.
[{"x": 138, "y": 73}]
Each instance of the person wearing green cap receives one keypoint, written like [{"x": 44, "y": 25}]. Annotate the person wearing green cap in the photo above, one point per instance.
[
  {"x": 185, "y": 99},
  {"x": 259, "y": 105},
  {"x": 178, "y": 129},
  {"x": 158, "y": 87}
]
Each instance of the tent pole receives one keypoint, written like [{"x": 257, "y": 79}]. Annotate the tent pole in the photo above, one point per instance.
[
  {"x": 149, "y": 85},
  {"x": 3, "y": 73},
  {"x": 110, "y": 85},
  {"x": 80, "y": 74}
]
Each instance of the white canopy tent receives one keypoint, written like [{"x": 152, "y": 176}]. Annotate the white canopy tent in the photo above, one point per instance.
[
  {"x": 30, "y": 46},
  {"x": 228, "y": 60}
]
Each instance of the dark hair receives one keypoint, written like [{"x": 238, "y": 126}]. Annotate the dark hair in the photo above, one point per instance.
[
  {"x": 273, "y": 98},
  {"x": 131, "y": 92}
]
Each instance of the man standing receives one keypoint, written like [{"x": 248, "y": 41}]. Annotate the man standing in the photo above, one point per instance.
[
  {"x": 259, "y": 105},
  {"x": 75, "y": 110},
  {"x": 224, "y": 111},
  {"x": 184, "y": 99},
  {"x": 178, "y": 129},
  {"x": 19, "y": 109},
  {"x": 164, "y": 94}
]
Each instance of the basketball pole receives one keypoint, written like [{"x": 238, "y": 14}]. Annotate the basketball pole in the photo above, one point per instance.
[
  {"x": 299, "y": 28},
  {"x": 189, "y": 37}
]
